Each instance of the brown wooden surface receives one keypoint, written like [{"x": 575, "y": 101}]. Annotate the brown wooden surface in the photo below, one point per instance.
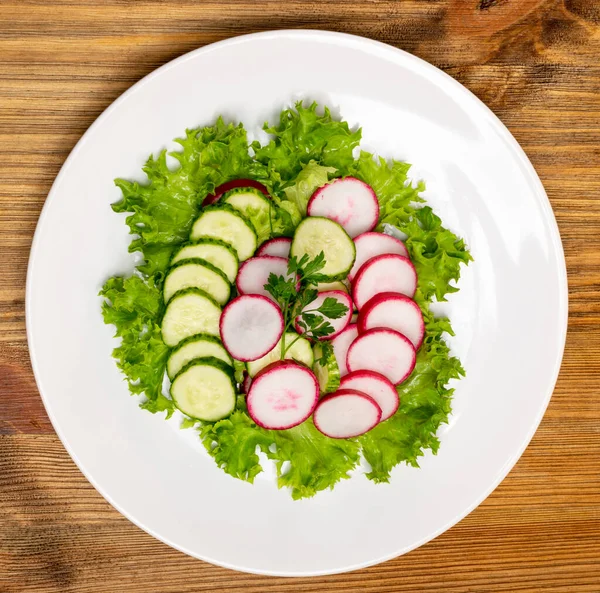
[{"x": 535, "y": 63}]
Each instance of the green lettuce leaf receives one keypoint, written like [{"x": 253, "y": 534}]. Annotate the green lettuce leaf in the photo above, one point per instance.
[
  {"x": 425, "y": 403},
  {"x": 436, "y": 252},
  {"x": 316, "y": 462},
  {"x": 272, "y": 223},
  {"x": 303, "y": 135},
  {"x": 163, "y": 209},
  {"x": 232, "y": 443},
  {"x": 290, "y": 215},
  {"x": 133, "y": 306},
  {"x": 311, "y": 177},
  {"x": 239, "y": 369}
]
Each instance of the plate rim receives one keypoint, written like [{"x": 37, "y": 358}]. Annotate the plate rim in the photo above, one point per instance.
[{"x": 420, "y": 64}]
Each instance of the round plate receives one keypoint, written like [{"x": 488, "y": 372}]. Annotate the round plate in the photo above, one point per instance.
[{"x": 509, "y": 316}]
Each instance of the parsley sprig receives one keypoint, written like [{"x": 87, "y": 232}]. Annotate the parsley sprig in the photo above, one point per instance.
[{"x": 294, "y": 294}]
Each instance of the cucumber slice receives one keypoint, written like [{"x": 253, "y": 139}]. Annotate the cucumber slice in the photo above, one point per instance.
[
  {"x": 315, "y": 234},
  {"x": 336, "y": 285},
  {"x": 328, "y": 374},
  {"x": 301, "y": 351},
  {"x": 218, "y": 253},
  {"x": 227, "y": 224},
  {"x": 254, "y": 206},
  {"x": 197, "y": 273},
  {"x": 190, "y": 311},
  {"x": 204, "y": 389},
  {"x": 200, "y": 346}
]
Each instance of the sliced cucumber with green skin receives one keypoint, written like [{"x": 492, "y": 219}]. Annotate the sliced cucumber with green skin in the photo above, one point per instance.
[
  {"x": 301, "y": 351},
  {"x": 227, "y": 224},
  {"x": 328, "y": 374},
  {"x": 199, "y": 346},
  {"x": 204, "y": 389},
  {"x": 190, "y": 311},
  {"x": 335, "y": 285},
  {"x": 315, "y": 234},
  {"x": 253, "y": 204},
  {"x": 218, "y": 253},
  {"x": 197, "y": 273}
]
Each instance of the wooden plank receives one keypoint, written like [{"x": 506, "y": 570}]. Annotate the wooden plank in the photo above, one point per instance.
[{"x": 534, "y": 62}]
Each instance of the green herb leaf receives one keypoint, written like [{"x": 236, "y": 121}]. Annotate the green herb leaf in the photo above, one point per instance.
[
  {"x": 281, "y": 289},
  {"x": 308, "y": 268},
  {"x": 320, "y": 330},
  {"x": 326, "y": 352},
  {"x": 332, "y": 308}
]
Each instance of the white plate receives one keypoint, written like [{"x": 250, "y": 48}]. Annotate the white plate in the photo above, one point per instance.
[{"x": 510, "y": 314}]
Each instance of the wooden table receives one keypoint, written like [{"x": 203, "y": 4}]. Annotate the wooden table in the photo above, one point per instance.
[{"x": 535, "y": 63}]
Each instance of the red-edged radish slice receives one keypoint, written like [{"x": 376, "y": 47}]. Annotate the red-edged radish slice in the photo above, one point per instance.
[
  {"x": 375, "y": 386},
  {"x": 282, "y": 395},
  {"x": 394, "y": 311},
  {"x": 246, "y": 383},
  {"x": 250, "y": 326},
  {"x": 254, "y": 274},
  {"x": 384, "y": 273},
  {"x": 369, "y": 245},
  {"x": 233, "y": 184},
  {"x": 279, "y": 247},
  {"x": 340, "y": 324},
  {"x": 383, "y": 351},
  {"x": 341, "y": 343},
  {"x": 346, "y": 413},
  {"x": 350, "y": 202}
]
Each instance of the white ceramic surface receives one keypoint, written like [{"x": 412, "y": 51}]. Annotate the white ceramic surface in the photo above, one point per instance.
[{"x": 509, "y": 316}]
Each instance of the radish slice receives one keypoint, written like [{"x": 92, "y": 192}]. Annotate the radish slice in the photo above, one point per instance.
[
  {"x": 369, "y": 245},
  {"x": 282, "y": 395},
  {"x": 233, "y": 184},
  {"x": 350, "y": 202},
  {"x": 384, "y": 273},
  {"x": 250, "y": 326},
  {"x": 279, "y": 247},
  {"x": 394, "y": 311},
  {"x": 346, "y": 413},
  {"x": 341, "y": 343},
  {"x": 375, "y": 386},
  {"x": 254, "y": 274},
  {"x": 340, "y": 324},
  {"x": 246, "y": 383},
  {"x": 383, "y": 351}
]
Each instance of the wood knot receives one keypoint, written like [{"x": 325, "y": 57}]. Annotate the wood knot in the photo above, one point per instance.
[{"x": 485, "y": 4}]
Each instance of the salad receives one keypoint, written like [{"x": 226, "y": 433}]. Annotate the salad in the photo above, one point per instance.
[{"x": 283, "y": 301}]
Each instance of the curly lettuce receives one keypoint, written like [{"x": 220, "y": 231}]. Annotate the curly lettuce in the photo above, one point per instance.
[
  {"x": 134, "y": 306},
  {"x": 316, "y": 462},
  {"x": 311, "y": 176},
  {"x": 306, "y": 150}
]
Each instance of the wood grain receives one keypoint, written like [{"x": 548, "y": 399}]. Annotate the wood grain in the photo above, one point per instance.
[{"x": 536, "y": 63}]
